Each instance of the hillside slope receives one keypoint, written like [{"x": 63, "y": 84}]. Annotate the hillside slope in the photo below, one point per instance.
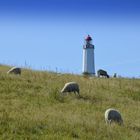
[{"x": 32, "y": 108}]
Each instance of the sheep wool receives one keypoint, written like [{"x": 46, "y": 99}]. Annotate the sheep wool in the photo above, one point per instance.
[
  {"x": 70, "y": 87},
  {"x": 113, "y": 115},
  {"x": 14, "y": 70}
]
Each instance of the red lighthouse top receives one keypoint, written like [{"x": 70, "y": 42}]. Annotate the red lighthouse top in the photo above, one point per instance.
[
  {"x": 88, "y": 38},
  {"x": 88, "y": 42}
]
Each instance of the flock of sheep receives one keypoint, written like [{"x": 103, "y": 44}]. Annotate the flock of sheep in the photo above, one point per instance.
[{"x": 111, "y": 115}]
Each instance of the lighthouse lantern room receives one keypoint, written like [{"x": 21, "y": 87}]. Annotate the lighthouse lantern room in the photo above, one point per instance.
[{"x": 88, "y": 57}]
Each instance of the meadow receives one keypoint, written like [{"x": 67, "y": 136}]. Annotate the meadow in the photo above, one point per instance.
[{"x": 32, "y": 108}]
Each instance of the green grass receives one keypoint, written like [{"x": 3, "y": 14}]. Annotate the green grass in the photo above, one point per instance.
[{"x": 32, "y": 108}]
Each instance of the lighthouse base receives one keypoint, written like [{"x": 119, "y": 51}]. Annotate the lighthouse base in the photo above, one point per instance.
[{"x": 88, "y": 74}]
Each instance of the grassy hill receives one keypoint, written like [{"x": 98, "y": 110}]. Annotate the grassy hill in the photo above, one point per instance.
[{"x": 31, "y": 107}]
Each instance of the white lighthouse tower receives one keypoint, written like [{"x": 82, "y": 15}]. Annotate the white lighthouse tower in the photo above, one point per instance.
[{"x": 88, "y": 57}]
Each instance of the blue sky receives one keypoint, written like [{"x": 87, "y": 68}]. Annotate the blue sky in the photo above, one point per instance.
[{"x": 49, "y": 34}]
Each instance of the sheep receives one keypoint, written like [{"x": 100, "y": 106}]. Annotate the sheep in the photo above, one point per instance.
[
  {"x": 71, "y": 87},
  {"x": 113, "y": 115},
  {"x": 14, "y": 70},
  {"x": 115, "y": 75},
  {"x": 101, "y": 72}
]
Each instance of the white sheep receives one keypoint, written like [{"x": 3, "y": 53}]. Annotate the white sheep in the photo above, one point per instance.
[
  {"x": 113, "y": 115},
  {"x": 71, "y": 87},
  {"x": 14, "y": 70}
]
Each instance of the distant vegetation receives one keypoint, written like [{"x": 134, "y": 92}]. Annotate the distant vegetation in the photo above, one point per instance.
[{"x": 32, "y": 108}]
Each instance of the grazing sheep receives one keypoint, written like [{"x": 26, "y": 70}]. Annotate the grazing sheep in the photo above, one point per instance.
[
  {"x": 70, "y": 87},
  {"x": 113, "y": 115},
  {"x": 101, "y": 72},
  {"x": 14, "y": 70}
]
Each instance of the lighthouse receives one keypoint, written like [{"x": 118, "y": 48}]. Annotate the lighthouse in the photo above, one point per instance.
[{"x": 88, "y": 57}]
